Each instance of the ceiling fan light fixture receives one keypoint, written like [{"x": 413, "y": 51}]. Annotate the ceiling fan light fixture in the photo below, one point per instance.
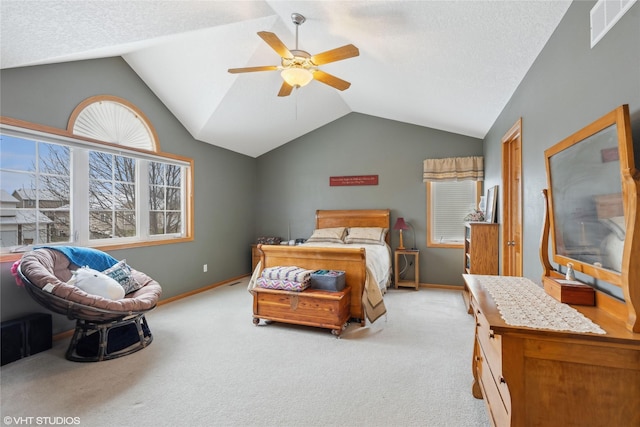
[
  {"x": 296, "y": 76},
  {"x": 297, "y": 66}
]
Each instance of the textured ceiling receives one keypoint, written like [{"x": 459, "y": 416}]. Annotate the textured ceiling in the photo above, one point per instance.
[{"x": 449, "y": 65}]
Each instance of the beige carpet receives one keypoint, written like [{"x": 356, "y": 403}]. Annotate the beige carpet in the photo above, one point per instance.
[{"x": 210, "y": 366}]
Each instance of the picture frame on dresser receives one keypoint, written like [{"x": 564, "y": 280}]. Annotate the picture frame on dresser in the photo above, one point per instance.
[{"x": 492, "y": 199}]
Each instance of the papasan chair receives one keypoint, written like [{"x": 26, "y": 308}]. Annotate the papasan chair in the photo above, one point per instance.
[{"x": 105, "y": 328}]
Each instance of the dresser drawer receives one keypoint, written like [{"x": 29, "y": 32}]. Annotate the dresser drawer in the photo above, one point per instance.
[
  {"x": 488, "y": 340},
  {"x": 494, "y": 399},
  {"x": 491, "y": 355}
]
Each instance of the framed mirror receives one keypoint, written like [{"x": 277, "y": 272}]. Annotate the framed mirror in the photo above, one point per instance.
[{"x": 587, "y": 196}]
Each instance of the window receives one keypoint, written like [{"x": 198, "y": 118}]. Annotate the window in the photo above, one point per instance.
[
  {"x": 448, "y": 202},
  {"x": 35, "y": 185},
  {"x": 165, "y": 201},
  {"x": 56, "y": 187}
]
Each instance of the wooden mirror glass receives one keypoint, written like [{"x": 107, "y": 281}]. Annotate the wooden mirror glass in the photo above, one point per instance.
[
  {"x": 592, "y": 203},
  {"x": 585, "y": 197}
]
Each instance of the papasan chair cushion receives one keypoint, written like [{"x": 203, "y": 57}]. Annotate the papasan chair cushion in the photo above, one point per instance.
[{"x": 46, "y": 272}]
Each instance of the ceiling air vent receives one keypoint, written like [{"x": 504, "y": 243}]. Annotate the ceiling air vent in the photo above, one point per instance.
[{"x": 604, "y": 15}]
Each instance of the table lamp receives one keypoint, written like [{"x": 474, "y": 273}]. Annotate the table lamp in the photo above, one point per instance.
[{"x": 401, "y": 225}]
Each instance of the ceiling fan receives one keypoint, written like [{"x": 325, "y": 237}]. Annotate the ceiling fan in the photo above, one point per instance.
[{"x": 298, "y": 67}]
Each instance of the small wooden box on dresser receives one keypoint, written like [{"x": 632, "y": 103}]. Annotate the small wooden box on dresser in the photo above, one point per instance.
[{"x": 481, "y": 248}]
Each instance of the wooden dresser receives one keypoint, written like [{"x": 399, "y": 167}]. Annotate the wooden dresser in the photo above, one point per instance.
[{"x": 541, "y": 377}]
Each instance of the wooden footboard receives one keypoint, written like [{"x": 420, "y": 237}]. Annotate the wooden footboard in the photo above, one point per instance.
[{"x": 350, "y": 260}]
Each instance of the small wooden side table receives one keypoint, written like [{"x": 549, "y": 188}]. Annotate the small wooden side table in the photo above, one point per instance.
[{"x": 415, "y": 283}]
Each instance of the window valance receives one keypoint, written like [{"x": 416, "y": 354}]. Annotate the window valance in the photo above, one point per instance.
[{"x": 454, "y": 169}]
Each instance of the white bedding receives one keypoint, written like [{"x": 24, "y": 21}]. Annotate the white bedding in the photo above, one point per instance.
[
  {"x": 612, "y": 248},
  {"x": 378, "y": 260}
]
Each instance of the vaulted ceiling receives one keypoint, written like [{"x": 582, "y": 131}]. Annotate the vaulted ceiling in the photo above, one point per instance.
[{"x": 449, "y": 65}]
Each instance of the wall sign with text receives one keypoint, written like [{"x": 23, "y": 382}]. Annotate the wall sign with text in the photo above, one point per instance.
[{"x": 338, "y": 181}]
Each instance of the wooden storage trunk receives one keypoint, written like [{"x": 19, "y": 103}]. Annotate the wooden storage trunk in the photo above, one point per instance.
[
  {"x": 311, "y": 307},
  {"x": 574, "y": 293}
]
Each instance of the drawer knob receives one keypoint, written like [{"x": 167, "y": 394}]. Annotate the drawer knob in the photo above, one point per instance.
[
  {"x": 502, "y": 380},
  {"x": 492, "y": 335},
  {"x": 478, "y": 324}
]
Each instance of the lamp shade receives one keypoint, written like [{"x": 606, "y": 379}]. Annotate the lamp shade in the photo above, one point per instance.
[
  {"x": 296, "y": 76},
  {"x": 400, "y": 224}
]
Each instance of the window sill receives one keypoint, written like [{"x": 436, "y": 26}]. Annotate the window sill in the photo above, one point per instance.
[
  {"x": 445, "y": 245},
  {"x": 14, "y": 256}
]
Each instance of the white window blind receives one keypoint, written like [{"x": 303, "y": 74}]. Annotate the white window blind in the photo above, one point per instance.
[{"x": 450, "y": 201}]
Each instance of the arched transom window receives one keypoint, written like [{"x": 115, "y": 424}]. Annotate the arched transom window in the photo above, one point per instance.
[{"x": 115, "y": 120}]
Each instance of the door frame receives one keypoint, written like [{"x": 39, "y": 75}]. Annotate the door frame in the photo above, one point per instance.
[{"x": 511, "y": 188}]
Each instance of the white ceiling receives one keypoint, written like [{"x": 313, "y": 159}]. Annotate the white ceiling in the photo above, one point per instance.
[{"x": 449, "y": 65}]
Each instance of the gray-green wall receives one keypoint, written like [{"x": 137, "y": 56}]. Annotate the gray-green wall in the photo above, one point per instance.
[
  {"x": 224, "y": 181},
  {"x": 238, "y": 198},
  {"x": 293, "y": 181},
  {"x": 569, "y": 86}
]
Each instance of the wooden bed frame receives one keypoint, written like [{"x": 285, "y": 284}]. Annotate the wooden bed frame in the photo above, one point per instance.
[{"x": 350, "y": 260}]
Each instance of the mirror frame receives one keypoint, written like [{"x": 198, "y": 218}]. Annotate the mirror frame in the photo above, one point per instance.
[{"x": 620, "y": 118}]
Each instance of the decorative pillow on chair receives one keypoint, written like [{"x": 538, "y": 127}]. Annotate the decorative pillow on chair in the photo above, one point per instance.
[
  {"x": 328, "y": 235},
  {"x": 96, "y": 283},
  {"x": 366, "y": 235},
  {"x": 121, "y": 272}
]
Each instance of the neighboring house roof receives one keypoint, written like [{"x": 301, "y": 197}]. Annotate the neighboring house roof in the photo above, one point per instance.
[
  {"x": 25, "y": 216},
  {"x": 5, "y": 197},
  {"x": 29, "y": 194}
]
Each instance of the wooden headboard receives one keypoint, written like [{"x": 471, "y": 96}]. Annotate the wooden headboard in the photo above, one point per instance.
[
  {"x": 609, "y": 205},
  {"x": 351, "y": 260},
  {"x": 354, "y": 218}
]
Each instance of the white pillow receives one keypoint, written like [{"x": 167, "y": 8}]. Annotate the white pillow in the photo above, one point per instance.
[
  {"x": 366, "y": 235},
  {"x": 328, "y": 235},
  {"x": 616, "y": 225},
  {"x": 96, "y": 283}
]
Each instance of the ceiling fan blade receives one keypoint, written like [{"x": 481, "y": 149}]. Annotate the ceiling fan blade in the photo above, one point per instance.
[
  {"x": 285, "y": 89},
  {"x": 337, "y": 54},
  {"x": 252, "y": 69},
  {"x": 331, "y": 80},
  {"x": 276, "y": 44}
]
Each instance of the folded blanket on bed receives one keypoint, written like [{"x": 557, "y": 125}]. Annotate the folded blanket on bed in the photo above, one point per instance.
[
  {"x": 288, "y": 273},
  {"x": 253, "y": 282},
  {"x": 83, "y": 257},
  {"x": 372, "y": 301}
]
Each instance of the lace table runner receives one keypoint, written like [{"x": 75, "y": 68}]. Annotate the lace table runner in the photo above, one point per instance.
[{"x": 523, "y": 303}]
